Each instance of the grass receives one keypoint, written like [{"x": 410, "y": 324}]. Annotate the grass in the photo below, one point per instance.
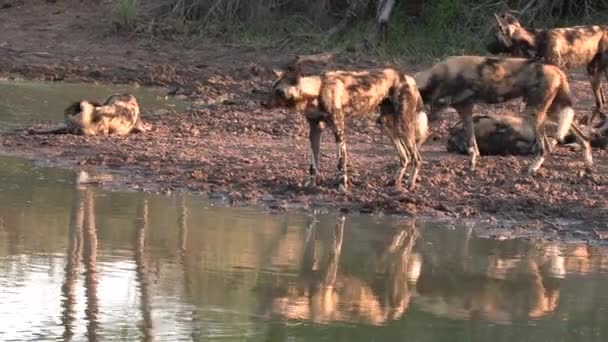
[
  {"x": 438, "y": 28},
  {"x": 124, "y": 15}
]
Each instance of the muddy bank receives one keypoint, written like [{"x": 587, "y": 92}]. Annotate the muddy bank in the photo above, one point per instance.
[
  {"x": 230, "y": 148},
  {"x": 245, "y": 155}
]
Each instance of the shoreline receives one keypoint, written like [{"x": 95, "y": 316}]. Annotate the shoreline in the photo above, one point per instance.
[{"x": 229, "y": 147}]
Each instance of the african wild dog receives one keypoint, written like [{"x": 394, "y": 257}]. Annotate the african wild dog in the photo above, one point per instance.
[
  {"x": 566, "y": 48},
  {"x": 495, "y": 135},
  {"x": 119, "y": 114},
  {"x": 334, "y": 96},
  {"x": 511, "y": 135},
  {"x": 407, "y": 127},
  {"x": 461, "y": 82}
]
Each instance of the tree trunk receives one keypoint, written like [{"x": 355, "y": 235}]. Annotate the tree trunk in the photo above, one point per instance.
[{"x": 383, "y": 14}]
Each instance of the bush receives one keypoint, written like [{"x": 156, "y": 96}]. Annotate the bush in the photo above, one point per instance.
[
  {"x": 419, "y": 28},
  {"x": 124, "y": 14}
]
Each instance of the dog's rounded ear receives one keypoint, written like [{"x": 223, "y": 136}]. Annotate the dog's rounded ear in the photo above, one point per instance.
[
  {"x": 507, "y": 23},
  {"x": 511, "y": 20},
  {"x": 500, "y": 20},
  {"x": 278, "y": 72}
]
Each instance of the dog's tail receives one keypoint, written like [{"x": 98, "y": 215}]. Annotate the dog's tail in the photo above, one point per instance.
[{"x": 562, "y": 104}]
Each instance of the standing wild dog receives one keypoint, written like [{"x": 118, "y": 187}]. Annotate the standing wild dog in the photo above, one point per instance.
[
  {"x": 566, "y": 48},
  {"x": 119, "y": 114},
  {"x": 460, "y": 82},
  {"x": 334, "y": 96}
]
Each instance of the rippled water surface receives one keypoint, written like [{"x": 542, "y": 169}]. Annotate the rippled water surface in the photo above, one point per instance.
[
  {"x": 81, "y": 264},
  {"x": 78, "y": 263}
]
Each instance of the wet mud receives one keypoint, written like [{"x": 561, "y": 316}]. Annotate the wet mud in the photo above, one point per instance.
[{"x": 230, "y": 148}]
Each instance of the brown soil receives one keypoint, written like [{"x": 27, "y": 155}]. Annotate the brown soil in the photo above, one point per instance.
[{"x": 230, "y": 147}]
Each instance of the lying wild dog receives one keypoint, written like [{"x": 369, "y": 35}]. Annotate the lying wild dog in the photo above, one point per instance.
[
  {"x": 334, "y": 96},
  {"x": 119, "y": 114},
  {"x": 461, "y": 82},
  {"x": 567, "y": 48},
  {"x": 495, "y": 135},
  {"x": 509, "y": 135}
]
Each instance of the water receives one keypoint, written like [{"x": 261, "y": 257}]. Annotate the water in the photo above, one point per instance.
[
  {"x": 82, "y": 263},
  {"x": 79, "y": 263},
  {"x": 25, "y": 102}
]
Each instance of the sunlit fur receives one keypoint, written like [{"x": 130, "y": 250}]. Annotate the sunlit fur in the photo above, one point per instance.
[
  {"x": 566, "y": 48},
  {"x": 119, "y": 114},
  {"x": 461, "y": 82},
  {"x": 322, "y": 292},
  {"x": 334, "y": 96}
]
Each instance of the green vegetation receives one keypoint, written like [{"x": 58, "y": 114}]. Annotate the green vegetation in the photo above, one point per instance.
[
  {"x": 420, "y": 28},
  {"x": 124, "y": 14}
]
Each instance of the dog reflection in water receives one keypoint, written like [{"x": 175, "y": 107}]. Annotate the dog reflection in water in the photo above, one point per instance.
[{"x": 323, "y": 294}]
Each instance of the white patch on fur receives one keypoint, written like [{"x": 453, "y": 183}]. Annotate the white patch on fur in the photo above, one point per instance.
[
  {"x": 422, "y": 130},
  {"x": 510, "y": 30},
  {"x": 564, "y": 121},
  {"x": 310, "y": 86}
]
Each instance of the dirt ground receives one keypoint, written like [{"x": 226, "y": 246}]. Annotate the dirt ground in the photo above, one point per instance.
[{"x": 231, "y": 148}]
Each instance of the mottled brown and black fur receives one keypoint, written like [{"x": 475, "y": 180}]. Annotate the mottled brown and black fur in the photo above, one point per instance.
[
  {"x": 461, "y": 82},
  {"x": 406, "y": 127},
  {"x": 119, "y": 114},
  {"x": 566, "y": 48},
  {"x": 334, "y": 96},
  {"x": 510, "y": 135},
  {"x": 495, "y": 135}
]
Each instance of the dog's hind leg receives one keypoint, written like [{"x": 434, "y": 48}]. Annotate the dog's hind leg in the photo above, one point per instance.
[
  {"x": 604, "y": 123},
  {"x": 390, "y": 127},
  {"x": 540, "y": 112},
  {"x": 338, "y": 126},
  {"x": 412, "y": 148},
  {"x": 340, "y": 138},
  {"x": 465, "y": 110},
  {"x": 594, "y": 72},
  {"x": 584, "y": 141},
  {"x": 314, "y": 136}
]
